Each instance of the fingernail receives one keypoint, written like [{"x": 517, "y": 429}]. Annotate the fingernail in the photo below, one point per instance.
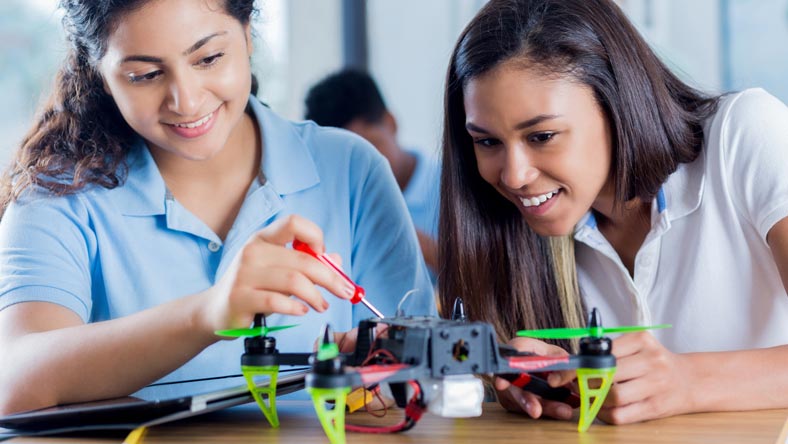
[
  {"x": 553, "y": 379},
  {"x": 325, "y": 305},
  {"x": 304, "y": 309}
]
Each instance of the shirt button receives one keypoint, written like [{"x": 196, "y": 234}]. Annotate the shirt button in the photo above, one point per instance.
[{"x": 214, "y": 247}]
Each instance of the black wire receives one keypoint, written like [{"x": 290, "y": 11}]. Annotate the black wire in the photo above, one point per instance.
[{"x": 214, "y": 378}]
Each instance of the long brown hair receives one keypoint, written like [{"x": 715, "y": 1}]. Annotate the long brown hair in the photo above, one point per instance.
[
  {"x": 505, "y": 273},
  {"x": 79, "y": 137}
]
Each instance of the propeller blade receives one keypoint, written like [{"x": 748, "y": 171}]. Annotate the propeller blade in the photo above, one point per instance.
[
  {"x": 555, "y": 333},
  {"x": 571, "y": 333},
  {"x": 635, "y": 328},
  {"x": 253, "y": 331}
]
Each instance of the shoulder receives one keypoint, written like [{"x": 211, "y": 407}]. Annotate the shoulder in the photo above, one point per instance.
[
  {"x": 327, "y": 143},
  {"x": 751, "y": 107}
]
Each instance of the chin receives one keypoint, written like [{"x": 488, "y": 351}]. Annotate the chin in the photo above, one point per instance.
[{"x": 555, "y": 230}]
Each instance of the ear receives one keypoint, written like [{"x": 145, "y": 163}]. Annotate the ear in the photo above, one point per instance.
[{"x": 390, "y": 122}]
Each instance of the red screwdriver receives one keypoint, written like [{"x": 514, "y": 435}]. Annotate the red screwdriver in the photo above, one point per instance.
[{"x": 358, "y": 291}]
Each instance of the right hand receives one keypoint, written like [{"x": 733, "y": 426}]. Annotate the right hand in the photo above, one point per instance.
[
  {"x": 516, "y": 400},
  {"x": 265, "y": 273}
]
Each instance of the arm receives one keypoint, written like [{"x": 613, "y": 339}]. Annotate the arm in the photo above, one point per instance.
[
  {"x": 429, "y": 248},
  {"x": 51, "y": 357},
  {"x": 652, "y": 382},
  {"x": 386, "y": 258}
]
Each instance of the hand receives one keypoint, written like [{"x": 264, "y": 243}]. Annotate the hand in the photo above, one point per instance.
[
  {"x": 650, "y": 382},
  {"x": 266, "y": 273},
  {"x": 346, "y": 341},
  {"x": 514, "y": 399}
]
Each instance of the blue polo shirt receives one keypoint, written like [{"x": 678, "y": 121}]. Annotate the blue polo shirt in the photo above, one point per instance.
[{"x": 105, "y": 254}]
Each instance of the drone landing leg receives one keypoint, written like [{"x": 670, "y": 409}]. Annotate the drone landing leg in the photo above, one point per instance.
[
  {"x": 267, "y": 407},
  {"x": 333, "y": 421},
  {"x": 588, "y": 409}
]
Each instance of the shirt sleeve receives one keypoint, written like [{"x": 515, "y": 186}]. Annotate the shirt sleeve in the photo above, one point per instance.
[
  {"x": 386, "y": 257},
  {"x": 45, "y": 251},
  {"x": 754, "y": 141}
]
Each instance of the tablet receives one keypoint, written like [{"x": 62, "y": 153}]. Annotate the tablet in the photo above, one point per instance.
[{"x": 129, "y": 413}]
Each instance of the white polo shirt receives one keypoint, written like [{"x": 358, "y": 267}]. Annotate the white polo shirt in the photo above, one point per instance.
[{"x": 705, "y": 266}]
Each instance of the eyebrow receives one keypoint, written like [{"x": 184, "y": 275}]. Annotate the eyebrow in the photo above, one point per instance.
[
  {"x": 150, "y": 59},
  {"x": 522, "y": 125}
]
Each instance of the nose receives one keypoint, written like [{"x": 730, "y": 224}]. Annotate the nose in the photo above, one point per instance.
[
  {"x": 185, "y": 94},
  {"x": 519, "y": 169}
]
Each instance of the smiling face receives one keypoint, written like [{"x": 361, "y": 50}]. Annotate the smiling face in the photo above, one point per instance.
[
  {"x": 180, "y": 75},
  {"x": 541, "y": 141}
]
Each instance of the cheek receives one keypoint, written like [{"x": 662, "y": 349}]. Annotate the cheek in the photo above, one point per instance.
[{"x": 233, "y": 80}]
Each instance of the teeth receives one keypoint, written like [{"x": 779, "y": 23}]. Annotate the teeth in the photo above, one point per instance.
[
  {"x": 200, "y": 122},
  {"x": 537, "y": 200}
]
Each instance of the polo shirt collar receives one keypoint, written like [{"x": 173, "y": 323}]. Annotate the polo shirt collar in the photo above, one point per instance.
[
  {"x": 287, "y": 163},
  {"x": 683, "y": 190},
  {"x": 287, "y": 170},
  {"x": 144, "y": 192}
]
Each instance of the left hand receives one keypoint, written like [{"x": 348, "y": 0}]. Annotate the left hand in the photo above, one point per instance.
[{"x": 650, "y": 382}]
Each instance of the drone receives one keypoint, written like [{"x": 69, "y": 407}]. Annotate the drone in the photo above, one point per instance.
[
  {"x": 428, "y": 363},
  {"x": 423, "y": 359}
]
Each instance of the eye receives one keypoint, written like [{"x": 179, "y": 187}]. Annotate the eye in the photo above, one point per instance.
[
  {"x": 144, "y": 77},
  {"x": 486, "y": 142},
  {"x": 540, "y": 138},
  {"x": 210, "y": 60}
]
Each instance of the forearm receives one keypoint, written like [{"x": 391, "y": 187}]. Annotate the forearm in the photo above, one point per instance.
[
  {"x": 100, "y": 360},
  {"x": 741, "y": 380}
]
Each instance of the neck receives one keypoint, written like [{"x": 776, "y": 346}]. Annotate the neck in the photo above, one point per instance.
[
  {"x": 403, "y": 167},
  {"x": 239, "y": 158}
]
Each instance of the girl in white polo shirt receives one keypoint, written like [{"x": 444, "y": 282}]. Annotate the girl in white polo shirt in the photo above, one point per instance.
[{"x": 560, "y": 121}]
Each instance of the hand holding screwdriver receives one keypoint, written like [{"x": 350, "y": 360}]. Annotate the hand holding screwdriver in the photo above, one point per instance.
[{"x": 358, "y": 291}]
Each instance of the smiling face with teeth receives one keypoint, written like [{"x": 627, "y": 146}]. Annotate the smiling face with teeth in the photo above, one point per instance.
[
  {"x": 179, "y": 72},
  {"x": 543, "y": 142}
]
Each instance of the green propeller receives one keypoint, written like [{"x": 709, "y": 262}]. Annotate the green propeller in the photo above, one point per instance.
[
  {"x": 258, "y": 329},
  {"x": 594, "y": 330},
  {"x": 253, "y": 331}
]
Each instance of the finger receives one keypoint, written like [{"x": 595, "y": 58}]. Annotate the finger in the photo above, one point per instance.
[
  {"x": 627, "y": 414},
  {"x": 513, "y": 400},
  {"x": 346, "y": 341},
  {"x": 285, "y": 230},
  {"x": 287, "y": 281},
  {"x": 628, "y": 392},
  {"x": 632, "y": 367},
  {"x": 263, "y": 301},
  {"x": 501, "y": 384},
  {"x": 556, "y": 409},
  {"x": 537, "y": 346},
  {"x": 629, "y": 344},
  {"x": 336, "y": 259},
  {"x": 561, "y": 378},
  {"x": 259, "y": 258}
]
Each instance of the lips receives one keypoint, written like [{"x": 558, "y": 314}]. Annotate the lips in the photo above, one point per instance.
[{"x": 194, "y": 128}]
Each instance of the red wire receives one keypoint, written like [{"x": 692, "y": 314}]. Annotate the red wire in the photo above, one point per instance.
[{"x": 413, "y": 412}]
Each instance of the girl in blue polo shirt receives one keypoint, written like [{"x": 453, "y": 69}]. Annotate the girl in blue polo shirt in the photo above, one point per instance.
[
  {"x": 560, "y": 121},
  {"x": 154, "y": 200}
]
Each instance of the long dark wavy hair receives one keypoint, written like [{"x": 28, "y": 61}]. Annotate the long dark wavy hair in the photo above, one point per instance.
[
  {"x": 79, "y": 136},
  {"x": 507, "y": 274}
]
